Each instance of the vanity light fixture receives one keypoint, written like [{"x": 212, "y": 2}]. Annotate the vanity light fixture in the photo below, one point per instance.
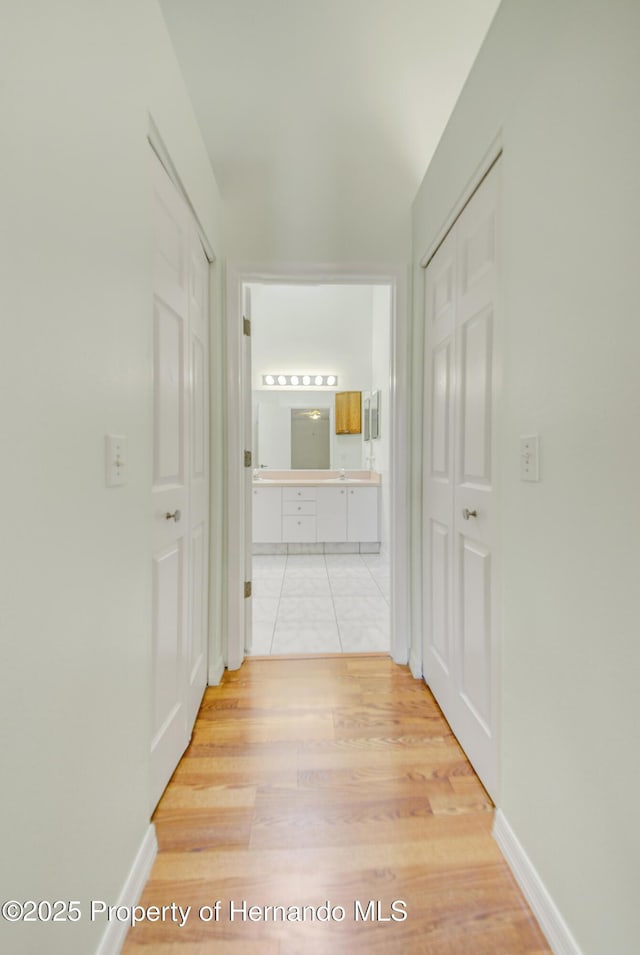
[{"x": 294, "y": 381}]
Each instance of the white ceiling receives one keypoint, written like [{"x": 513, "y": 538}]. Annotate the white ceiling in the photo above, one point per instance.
[{"x": 290, "y": 93}]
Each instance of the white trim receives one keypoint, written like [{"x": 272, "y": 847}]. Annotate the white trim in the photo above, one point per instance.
[
  {"x": 398, "y": 278},
  {"x": 216, "y": 671},
  {"x": 157, "y": 144},
  {"x": 115, "y": 933},
  {"x": 535, "y": 892},
  {"x": 482, "y": 169}
]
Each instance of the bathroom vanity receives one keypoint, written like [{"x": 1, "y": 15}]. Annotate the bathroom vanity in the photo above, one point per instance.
[{"x": 316, "y": 507}]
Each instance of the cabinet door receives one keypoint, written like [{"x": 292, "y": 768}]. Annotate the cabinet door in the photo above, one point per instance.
[
  {"x": 267, "y": 515},
  {"x": 331, "y": 514},
  {"x": 362, "y": 514}
]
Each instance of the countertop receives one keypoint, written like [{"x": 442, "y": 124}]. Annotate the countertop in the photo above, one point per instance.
[{"x": 353, "y": 478}]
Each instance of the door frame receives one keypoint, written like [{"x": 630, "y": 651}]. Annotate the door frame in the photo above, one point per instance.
[{"x": 237, "y": 276}]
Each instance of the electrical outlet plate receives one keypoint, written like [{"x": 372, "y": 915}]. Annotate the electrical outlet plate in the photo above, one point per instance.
[
  {"x": 530, "y": 457},
  {"x": 116, "y": 459}
]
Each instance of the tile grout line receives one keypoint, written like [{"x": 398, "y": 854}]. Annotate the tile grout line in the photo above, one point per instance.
[
  {"x": 335, "y": 612},
  {"x": 275, "y": 622}
]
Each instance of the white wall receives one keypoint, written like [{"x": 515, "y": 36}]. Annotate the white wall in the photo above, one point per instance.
[
  {"x": 558, "y": 81},
  {"x": 75, "y": 364}
]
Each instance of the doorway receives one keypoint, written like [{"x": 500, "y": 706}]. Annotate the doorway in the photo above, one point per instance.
[
  {"x": 241, "y": 544},
  {"x": 320, "y": 542}
]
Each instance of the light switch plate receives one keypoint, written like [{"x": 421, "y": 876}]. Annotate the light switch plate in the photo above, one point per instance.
[
  {"x": 530, "y": 457},
  {"x": 116, "y": 459}
]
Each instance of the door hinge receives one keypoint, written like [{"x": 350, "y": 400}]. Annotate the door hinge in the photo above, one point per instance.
[
  {"x": 247, "y": 459},
  {"x": 247, "y": 588},
  {"x": 246, "y": 326}
]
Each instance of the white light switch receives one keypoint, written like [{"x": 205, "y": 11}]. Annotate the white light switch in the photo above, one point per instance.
[
  {"x": 530, "y": 457},
  {"x": 116, "y": 459}
]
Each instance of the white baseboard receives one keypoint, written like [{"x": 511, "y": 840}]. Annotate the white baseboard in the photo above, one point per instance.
[
  {"x": 555, "y": 929},
  {"x": 415, "y": 666},
  {"x": 216, "y": 671},
  {"x": 115, "y": 932}
]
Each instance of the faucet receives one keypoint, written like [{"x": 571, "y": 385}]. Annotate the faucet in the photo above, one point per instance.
[{"x": 343, "y": 475}]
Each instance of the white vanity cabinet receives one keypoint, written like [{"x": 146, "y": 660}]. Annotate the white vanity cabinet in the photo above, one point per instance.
[
  {"x": 267, "y": 515},
  {"x": 298, "y": 514},
  {"x": 362, "y": 514}
]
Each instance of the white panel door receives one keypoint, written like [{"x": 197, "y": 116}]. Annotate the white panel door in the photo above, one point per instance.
[
  {"x": 460, "y": 558},
  {"x": 170, "y": 498},
  {"x": 180, "y": 486}
]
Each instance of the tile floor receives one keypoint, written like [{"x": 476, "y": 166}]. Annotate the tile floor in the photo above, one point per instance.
[{"x": 332, "y": 603}]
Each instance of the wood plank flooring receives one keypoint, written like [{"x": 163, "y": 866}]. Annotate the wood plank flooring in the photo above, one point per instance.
[{"x": 333, "y": 780}]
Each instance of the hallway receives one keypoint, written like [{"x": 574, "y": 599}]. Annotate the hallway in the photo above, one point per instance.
[{"x": 330, "y": 780}]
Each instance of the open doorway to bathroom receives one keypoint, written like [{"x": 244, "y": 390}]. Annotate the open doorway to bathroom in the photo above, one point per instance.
[{"x": 321, "y": 358}]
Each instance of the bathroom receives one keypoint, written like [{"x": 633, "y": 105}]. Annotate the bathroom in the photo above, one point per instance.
[{"x": 321, "y": 359}]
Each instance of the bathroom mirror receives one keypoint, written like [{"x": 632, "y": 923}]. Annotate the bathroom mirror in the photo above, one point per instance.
[
  {"x": 310, "y": 438},
  {"x": 272, "y": 431}
]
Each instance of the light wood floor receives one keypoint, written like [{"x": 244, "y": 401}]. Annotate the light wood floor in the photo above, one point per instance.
[{"x": 333, "y": 779}]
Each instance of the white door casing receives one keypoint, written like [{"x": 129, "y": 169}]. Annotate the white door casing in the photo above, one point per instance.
[
  {"x": 239, "y": 394},
  {"x": 460, "y": 643},
  {"x": 180, "y": 484},
  {"x": 198, "y": 390},
  {"x": 247, "y": 476}
]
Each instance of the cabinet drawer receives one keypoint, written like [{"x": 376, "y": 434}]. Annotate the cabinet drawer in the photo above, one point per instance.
[
  {"x": 299, "y": 529},
  {"x": 298, "y": 493},
  {"x": 296, "y": 508}
]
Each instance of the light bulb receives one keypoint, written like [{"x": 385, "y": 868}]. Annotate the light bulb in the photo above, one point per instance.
[
  {"x": 282, "y": 380},
  {"x": 269, "y": 380},
  {"x": 318, "y": 379},
  {"x": 306, "y": 380},
  {"x": 331, "y": 380},
  {"x": 294, "y": 379}
]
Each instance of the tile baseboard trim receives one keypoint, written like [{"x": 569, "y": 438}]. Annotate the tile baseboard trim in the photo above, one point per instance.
[
  {"x": 550, "y": 920},
  {"x": 115, "y": 932},
  {"x": 259, "y": 550}
]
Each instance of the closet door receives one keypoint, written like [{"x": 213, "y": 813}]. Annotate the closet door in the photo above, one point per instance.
[
  {"x": 460, "y": 558},
  {"x": 180, "y": 492}
]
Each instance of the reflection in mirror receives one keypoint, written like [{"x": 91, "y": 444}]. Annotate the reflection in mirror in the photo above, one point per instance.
[
  {"x": 375, "y": 414},
  {"x": 310, "y": 438}
]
